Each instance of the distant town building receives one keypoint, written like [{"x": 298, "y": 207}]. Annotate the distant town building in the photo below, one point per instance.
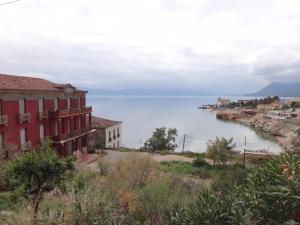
[
  {"x": 34, "y": 109},
  {"x": 280, "y": 114},
  {"x": 108, "y": 133},
  {"x": 269, "y": 107},
  {"x": 223, "y": 102},
  {"x": 294, "y": 101}
]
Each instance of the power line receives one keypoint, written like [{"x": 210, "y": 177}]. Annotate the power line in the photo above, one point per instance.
[{"x": 11, "y": 2}]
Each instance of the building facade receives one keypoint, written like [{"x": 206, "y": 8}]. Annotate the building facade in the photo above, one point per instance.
[
  {"x": 108, "y": 133},
  {"x": 33, "y": 110}
]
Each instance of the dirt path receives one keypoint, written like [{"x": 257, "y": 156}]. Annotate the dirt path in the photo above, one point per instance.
[{"x": 114, "y": 156}]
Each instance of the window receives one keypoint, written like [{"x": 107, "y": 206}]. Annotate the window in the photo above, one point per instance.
[
  {"x": 23, "y": 136},
  {"x": 109, "y": 136},
  {"x": 79, "y": 142},
  {"x": 69, "y": 148},
  {"x": 42, "y": 132},
  {"x": 55, "y": 104},
  {"x": 0, "y": 107},
  {"x": 69, "y": 103},
  {"x": 79, "y": 122},
  {"x": 118, "y": 146},
  {"x": 87, "y": 120},
  {"x": 69, "y": 125},
  {"x": 79, "y": 103},
  {"x": 118, "y": 132},
  {"x": 22, "y": 106},
  {"x": 41, "y": 105},
  {"x": 114, "y": 134},
  {"x": 1, "y": 143},
  {"x": 56, "y": 128}
]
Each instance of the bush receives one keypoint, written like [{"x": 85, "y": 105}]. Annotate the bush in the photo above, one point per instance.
[
  {"x": 37, "y": 172},
  {"x": 227, "y": 179},
  {"x": 199, "y": 162},
  {"x": 275, "y": 187},
  {"x": 270, "y": 196}
]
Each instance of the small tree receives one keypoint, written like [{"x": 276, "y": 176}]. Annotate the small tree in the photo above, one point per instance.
[
  {"x": 219, "y": 150},
  {"x": 162, "y": 140},
  {"x": 37, "y": 172}
]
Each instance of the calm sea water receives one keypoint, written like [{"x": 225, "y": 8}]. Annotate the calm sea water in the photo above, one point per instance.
[{"x": 141, "y": 115}]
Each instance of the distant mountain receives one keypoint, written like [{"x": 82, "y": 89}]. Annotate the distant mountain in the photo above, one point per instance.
[
  {"x": 148, "y": 92},
  {"x": 279, "y": 89}
]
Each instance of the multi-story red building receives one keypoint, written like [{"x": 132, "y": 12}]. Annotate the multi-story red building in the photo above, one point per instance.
[{"x": 33, "y": 109}]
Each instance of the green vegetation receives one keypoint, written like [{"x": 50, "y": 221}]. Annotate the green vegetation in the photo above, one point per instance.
[
  {"x": 139, "y": 191},
  {"x": 252, "y": 103},
  {"x": 162, "y": 139},
  {"x": 36, "y": 173},
  {"x": 270, "y": 195},
  {"x": 190, "y": 154},
  {"x": 219, "y": 150}
]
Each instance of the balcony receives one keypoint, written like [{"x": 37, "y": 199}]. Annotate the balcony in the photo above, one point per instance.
[
  {"x": 3, "y": 120},
  {"x": 70, "y": 112},
  {"x": 43, "y": 115},
  {"x": 24, "y": 117},
  {"x": 72, "y": 135},
  {"x": 26, "y": 146}
]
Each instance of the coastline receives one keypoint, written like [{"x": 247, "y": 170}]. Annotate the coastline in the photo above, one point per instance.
[{"x": 286, "y": 132}]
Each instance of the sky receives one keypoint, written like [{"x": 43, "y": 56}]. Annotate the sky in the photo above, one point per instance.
[{"x": 232, "y": 46}]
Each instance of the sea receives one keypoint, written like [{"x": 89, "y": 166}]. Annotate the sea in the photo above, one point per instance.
[{"x": 141, "y": 115}]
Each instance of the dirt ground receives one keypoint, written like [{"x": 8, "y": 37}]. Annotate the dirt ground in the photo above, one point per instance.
[{"x": 112, "y": 156}]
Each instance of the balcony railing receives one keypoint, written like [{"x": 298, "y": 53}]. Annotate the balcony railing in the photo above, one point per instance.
[
  {"x": 43, "y": 115},
  {"x": 26, "y": 146},
  {"x": 24, "y": 117},
  {"x": 3, "y": 120},
  {"x": 72, "y": 134},
  {"x": 68, "y": 112}
]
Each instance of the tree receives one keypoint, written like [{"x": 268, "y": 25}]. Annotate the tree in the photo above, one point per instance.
[
  {"x": 37, "y": 172},
  {"x": 162, "y": 139},
  {"x": 219, "y": 150}
]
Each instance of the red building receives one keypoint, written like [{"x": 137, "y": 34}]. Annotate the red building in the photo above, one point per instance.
[{"x": 33, "y": 109}]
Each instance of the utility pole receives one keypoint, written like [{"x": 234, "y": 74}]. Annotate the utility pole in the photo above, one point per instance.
[
  {"x": 183, "y": 142},
  {"x": 244, "y": 160}
]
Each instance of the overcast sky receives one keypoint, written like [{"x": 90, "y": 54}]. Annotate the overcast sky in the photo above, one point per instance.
[{"x": 235, "y": 46}]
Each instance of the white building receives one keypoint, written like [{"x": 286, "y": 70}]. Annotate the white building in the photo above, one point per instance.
[{"x": 108, "y": 133}]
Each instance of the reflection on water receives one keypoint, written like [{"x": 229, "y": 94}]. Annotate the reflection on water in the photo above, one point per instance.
[{"x": 141, "y": 115}]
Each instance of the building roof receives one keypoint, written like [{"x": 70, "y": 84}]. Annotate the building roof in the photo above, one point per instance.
[
  {"x": 103, "y": 123},
  {"x": 21, "y": 83}
]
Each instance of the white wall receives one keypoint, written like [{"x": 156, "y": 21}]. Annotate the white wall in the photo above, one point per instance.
[{"x": 114, "y": 143}]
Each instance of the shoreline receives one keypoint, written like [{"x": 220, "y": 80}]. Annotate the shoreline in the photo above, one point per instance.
[{"x": 285, "y": 132}]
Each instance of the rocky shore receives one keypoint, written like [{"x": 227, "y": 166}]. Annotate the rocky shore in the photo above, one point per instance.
[{"x": 287, "y": 132}]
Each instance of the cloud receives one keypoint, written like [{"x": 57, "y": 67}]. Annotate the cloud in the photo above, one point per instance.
[{"x": 231, "y": 46}]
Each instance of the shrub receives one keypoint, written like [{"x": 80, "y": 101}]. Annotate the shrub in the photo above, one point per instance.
[
  {"x": 212, "y": 208},
  {"x": 162, "y": 139},
  {"x": 270, "y": 196},
  {"x": 228, "y": 178},
  {"x": 199, "y": 162},
  {"x": 219, "y": 150},
  {"x": 37, "y": 172},
  {"x": 276, "y": 189}
]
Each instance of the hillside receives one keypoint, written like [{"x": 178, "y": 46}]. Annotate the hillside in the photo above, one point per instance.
[{"x": 279, "y": 89}]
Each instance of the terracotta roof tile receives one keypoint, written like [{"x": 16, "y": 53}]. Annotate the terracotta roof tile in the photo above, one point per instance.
[
  {"x": 103, "y": 123},
  {"x": 21, "y": 83}
]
